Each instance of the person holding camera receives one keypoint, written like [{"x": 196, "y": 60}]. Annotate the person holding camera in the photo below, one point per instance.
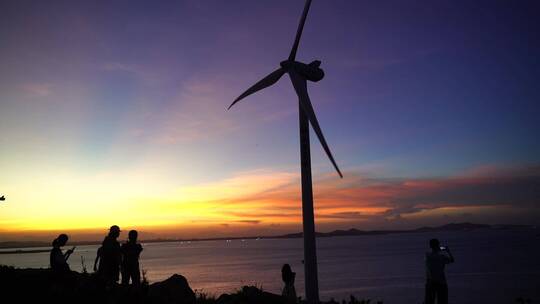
[
  {"x": 436, "y": 260},
  {"x": 58, "y": 260},
  {"x": 287, "y": 275}
]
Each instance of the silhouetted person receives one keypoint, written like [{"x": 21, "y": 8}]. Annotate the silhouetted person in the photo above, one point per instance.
[
  {"x": 287, "y": 275},
  {"x": 110, "y": 256},
  {"x": 436, "y": 260},
  {"x": 130, "y": 260},
  {"x": 98, "y": 257},
  {"x": 58, "y": 259}
]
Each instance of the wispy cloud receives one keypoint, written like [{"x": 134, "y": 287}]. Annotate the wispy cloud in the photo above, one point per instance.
[
  {"x": 38, "y": 89},
  {"x": 382, "y": 61},
  {"x": 197, "y": 112},
  {"x": 360, "y": 198},
  {"x": 144, "y": 74},
  {"x": 253, "y": 222}
]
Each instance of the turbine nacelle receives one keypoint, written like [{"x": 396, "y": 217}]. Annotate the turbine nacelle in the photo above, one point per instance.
[
  {"x": 299, "y": 73},
  {"x": 311, "y": 71}
]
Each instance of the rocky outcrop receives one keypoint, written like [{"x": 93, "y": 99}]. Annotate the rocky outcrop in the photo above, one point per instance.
[
  {"x": 251, "y": 294},
  {"x": 171, "y": 291},
  {"x": 44, "y": 286}
]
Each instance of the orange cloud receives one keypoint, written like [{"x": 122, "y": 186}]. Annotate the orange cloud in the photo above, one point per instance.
[{"x": 358, "y": 199}]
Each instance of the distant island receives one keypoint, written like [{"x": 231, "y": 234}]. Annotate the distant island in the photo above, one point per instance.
[
  {"x": 447, "y": 227},
  {"x": 335, "y": 233}
]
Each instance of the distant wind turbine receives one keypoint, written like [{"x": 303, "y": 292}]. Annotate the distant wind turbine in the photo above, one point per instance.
[{"x": 299, "y": 73}]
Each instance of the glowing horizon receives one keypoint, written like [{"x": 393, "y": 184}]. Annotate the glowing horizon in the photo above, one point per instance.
[{"x": 266, "y": 202}]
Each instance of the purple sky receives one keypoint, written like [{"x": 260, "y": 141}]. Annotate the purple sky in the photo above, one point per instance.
[{"x": 414, "y": 90}]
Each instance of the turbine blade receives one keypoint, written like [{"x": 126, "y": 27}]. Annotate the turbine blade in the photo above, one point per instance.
[
  {"x": 292, "y": 55},
  {"x": 263, "y": 83},
  {"x": 300, "y": 87}
]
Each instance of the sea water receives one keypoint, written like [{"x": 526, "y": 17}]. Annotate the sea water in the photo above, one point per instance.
[{"x": 492, "y": 266}]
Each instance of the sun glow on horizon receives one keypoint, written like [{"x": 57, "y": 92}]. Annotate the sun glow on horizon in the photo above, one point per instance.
[{"x": 259, "y": 201}]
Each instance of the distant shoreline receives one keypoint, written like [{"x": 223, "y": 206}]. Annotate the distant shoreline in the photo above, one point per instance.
[
  {"x": 350, "y": 232},
  {"x": 19, "y": 251}
]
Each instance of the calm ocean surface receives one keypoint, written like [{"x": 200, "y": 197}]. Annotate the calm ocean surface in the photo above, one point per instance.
[{"x": 490, "y": 267}]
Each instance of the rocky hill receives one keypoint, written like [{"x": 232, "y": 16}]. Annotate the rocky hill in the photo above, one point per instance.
[{"x": 44, "y": 286}]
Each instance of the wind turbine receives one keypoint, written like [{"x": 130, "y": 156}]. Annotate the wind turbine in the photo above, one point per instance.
[{"x": 299, "y": 73}]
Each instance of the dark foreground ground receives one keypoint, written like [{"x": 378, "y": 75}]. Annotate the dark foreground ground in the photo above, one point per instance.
[{"x": 43, "y": 286}]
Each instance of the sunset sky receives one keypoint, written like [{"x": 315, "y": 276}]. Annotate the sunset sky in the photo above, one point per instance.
[{"x": 115, "y": 113}]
